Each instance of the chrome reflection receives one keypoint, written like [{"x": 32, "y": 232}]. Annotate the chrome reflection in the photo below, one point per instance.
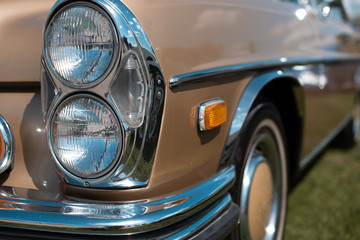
[
  {"x": 356, "y": 110},
  {"x": 246, "y": 101},
  {"x": 301, "y": 14},
  {"x": 80, "y": 56},
  {"x": 311, "y": 73},
  {"x": 309, "y": 78},
  {"x": 139, "y": 123},
  {"x": 209, "y": 74},
  {"x": 247, "y": 98},
  {"x": 86, "y": 137},
  {"x": 263, "y": 160},
  {"x": 7, "y": 145},
  {"x": 36, "y": 209}
]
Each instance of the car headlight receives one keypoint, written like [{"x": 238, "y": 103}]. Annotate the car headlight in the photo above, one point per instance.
[
  {"x": 102, "y": 92},
  {"x": 80, "y": 45},
  {"x": 85, "y": 136}
]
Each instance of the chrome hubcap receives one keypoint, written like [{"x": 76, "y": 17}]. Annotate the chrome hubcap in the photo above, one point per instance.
[{"x": 262, "y": 185}]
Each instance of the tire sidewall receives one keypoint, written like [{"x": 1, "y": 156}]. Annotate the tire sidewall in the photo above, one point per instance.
[{"x": 263, "y": 115}]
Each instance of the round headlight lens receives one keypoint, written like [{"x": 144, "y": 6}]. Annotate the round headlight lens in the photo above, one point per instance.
[
  {"x": 80, "y": 44},
  {"x": 85, "y": 136}
]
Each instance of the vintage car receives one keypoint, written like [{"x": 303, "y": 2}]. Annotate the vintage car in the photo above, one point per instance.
[{"x": 174, "y": 119}]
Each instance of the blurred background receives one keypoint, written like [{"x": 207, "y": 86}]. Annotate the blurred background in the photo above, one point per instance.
[{"x": 326, "y": 203}]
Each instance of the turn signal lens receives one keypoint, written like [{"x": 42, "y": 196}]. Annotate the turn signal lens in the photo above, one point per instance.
[
  {"x": 212, "y": 114},
  {"x": 215, "y": 115}
]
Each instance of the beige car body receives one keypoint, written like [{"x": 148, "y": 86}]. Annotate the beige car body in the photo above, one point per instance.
[{"x": 190, "y": 37}]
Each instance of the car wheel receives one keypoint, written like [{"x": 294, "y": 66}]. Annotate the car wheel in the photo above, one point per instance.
[{"x": 262, "y": 183}]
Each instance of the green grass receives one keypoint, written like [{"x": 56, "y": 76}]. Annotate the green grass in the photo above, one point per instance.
[{"x": 326, "y": 204}]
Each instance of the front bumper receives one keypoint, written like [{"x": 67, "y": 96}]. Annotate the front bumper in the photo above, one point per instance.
[{"x": 192, "y": 213}]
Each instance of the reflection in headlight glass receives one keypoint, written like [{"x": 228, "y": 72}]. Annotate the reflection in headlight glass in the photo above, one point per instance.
[
  {"x": 85, "y": 136},
  {"x": 80, "y": 44}
]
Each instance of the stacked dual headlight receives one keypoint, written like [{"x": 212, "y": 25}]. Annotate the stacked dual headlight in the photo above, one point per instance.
[
  {"x": 85, "y": 136},
  {"x": 80, "y": 43},
  {"x": 85, "y": 130}
]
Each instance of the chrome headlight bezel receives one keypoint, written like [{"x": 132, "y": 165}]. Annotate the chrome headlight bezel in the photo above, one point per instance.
[
  {"x": 115, "y": 161},
  {"x": 7, "y": 146},
  {"x": 135, "y": 161},
  {"x": 116, "y": 42}
]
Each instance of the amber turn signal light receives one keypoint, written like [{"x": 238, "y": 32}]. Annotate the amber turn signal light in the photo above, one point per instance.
[{"x": 212, "y": 114}]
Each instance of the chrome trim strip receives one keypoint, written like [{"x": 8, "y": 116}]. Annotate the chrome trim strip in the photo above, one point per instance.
[
  {"x": 207, "y": 74},
  {"x": 22, "y": 87},
  {"x": 324, "y": 143},
  {"x": 243, "y": 108},
  {"x": 34, "y": 209},
  {"x": 248, "y": 97},
  {"x": 210, "y": 215},
  {"x": 7, "y": 145}
]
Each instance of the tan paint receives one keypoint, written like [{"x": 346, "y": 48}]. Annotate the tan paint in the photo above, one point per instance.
[
  {"x": 203, "y": 34},
  {"x": 185, "y": 156},
  {"x": 260, "y": 200},
  {"x": 187, "y": 36},
  {"x": 194, "y": 35},
  {"x": 21, "y": 24},
  {"x": 33, "y": 167}
]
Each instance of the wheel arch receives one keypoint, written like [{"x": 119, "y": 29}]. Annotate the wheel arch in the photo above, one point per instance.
[{"x": 286, "y": 93}]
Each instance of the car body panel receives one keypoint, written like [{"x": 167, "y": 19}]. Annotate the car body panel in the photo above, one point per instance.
[
  {"x": 210, "y": 43},
  {"x": 21, "y": 25},
  {"x": 208, "y": 47},
  {"x": 207, "y": 50}
]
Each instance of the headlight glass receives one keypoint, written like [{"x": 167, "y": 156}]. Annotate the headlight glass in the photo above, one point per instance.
[
  {"x": 129, "y": 92},
  {"x": 80, "y": 44},
  {"x": 85, "y": 136}
]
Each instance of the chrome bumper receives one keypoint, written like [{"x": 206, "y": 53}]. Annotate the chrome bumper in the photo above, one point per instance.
[{"x": 190, "y": 211}]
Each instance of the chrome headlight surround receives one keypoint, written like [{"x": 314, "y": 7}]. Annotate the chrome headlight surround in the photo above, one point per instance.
[
  {"x": 7, "y": 146},
  {"x": 71, "y": 114},
  {"x": 81, "y": 41},
  {"x": 139, "y": 136}
]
